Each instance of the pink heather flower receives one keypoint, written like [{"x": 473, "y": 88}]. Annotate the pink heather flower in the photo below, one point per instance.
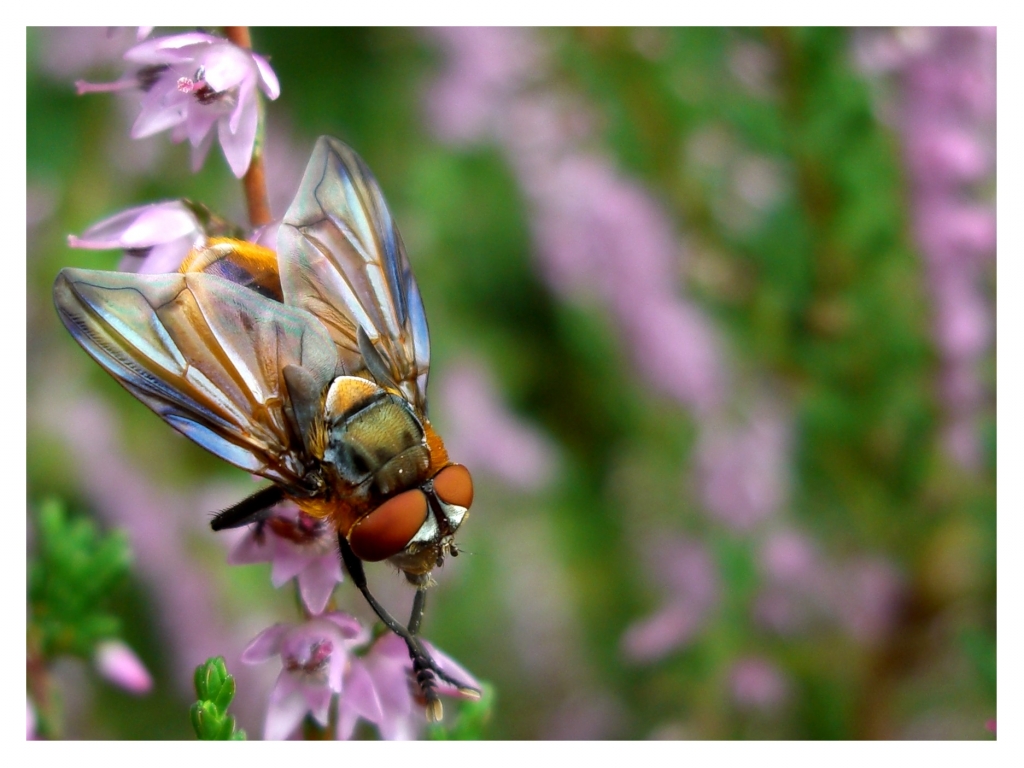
[
  {"x": 788, "y": 557},
  {"x": 155, "y": 237},
  {"x": 297, "y": 546},
  {"x": 741, "y": 472},
  {"x": 485, "y": 62},
  {"x": 194, "y": 82},
  {"x": 946, "y": 79},
  {"x": 597, "y": 232},
  {"x": 118, "y": 663},
  {"x": 689, "y": 578},
  {"x": 484, "y": 434},
  {"x": 382, "y": 690},
  {"x": 757, "y": 684},
  {"x": 313, "y": 656},
  {"x": 861, "y": 596}
]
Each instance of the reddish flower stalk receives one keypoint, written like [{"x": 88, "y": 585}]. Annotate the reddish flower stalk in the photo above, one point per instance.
[{"x": 255, "y": 181}]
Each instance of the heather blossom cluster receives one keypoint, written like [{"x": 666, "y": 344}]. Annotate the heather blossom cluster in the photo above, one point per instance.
[
  {"x": 202, "y": 87},
  {"x": 601, "y": 236},
  {"x": 945, "y": 114}
]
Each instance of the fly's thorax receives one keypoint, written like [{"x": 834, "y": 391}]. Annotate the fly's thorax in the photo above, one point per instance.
[{"x": 376, "y": 446}]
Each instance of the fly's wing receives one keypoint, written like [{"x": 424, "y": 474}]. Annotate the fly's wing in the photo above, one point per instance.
[
  {"x": 341, "y": 259},
  {"x": 206, "y": 355}
]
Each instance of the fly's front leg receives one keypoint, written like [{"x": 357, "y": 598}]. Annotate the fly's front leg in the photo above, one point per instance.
[
  {"x": 424, "y": 667},
  {"x": 419, "y": 604}
]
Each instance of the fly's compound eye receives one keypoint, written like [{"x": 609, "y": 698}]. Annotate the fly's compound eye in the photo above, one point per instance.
[
  {"x": 390, "y": 527},
  {"x": 453, "y": 485}
]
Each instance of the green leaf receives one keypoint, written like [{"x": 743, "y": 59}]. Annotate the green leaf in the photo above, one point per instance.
[
  {"x": 72, "y": 572},
  {"x": 215, "y": 689}
]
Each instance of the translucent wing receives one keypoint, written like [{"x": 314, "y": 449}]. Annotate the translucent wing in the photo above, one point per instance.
[
  {"x": 206, "y": 355},
  {"x": 342, "y": 259}
]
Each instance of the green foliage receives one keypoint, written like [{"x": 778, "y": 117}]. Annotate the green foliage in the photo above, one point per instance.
[
  {"x": 215, "y": 689},
  {"x": 71, "y": 576},
  {"x": 469, "y": 723}
]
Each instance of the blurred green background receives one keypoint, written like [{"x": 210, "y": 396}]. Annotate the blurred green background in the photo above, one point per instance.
[{"x": 799, "y": 543}]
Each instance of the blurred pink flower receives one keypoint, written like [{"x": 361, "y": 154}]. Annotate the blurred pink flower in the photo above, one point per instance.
[
  {"x": 118, "y": 663},
  {"x": 788, "y": 558},
  {"x": 484, "y": 434},
  {"x": 861, "y": 596},
  {"x": 313, "y": 656},
  {"x": 757, "y": 684},
  {"x": 155, "y": 237},
  {"x": 382, "y": 690},
  {"x": 298, "y": 546},
  {"x": 488, "y": 63},
  {"x": 685, "y": 570},
  {"x": 742, "y": 471},
  {"x": 598, "y": 234},
  {"x": 194, "y": 82},
  {"x": 946, "y": 80}
]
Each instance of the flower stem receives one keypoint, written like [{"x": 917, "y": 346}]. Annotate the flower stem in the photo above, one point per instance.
[{"x": 254, "y": 182}]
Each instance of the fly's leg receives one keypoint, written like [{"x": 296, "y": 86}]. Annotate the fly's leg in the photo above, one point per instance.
[
  {"x": 419, "y": 605},
  {"x": 251, "y": 509},
  {"x": 424, "y": 667}
]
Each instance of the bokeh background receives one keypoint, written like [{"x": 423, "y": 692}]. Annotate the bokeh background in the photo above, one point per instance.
[{"x": 712, "y": 319}]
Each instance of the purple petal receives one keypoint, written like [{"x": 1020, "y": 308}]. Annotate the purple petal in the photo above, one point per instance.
[
  {"x": 289, "y": 560},
  {"x": 162, "y": 107},
  {"x": 226, "y": 65},
  {"x": 162, "y": 259},
  {"x": 318, "y": 700},
  {"x": 246, "y": 102},
  {"x": 389, "y": 665},
  {"x": 268, "y": 80},
  {"x": 252, "y": 549},
  {"x": 159, "y": 223},
  {"x": 139, "y": 227},
  {"x": 199, "y": 125},
  {"x": 163, "y": 50},
  {"x": 453, "y": 668},
  {"x": 265, "y": 645},
  {"x": 756, "y": 683},
  {"x": 238, "y": 146},
  {"x": 359, "y": 699},
  {"x": 317, "y": 581},
  {"x": 119, "y": 664},
  {"x": 352, "y": 630},
  {"x": 267, "y": 235},
  {"x": 199, "y": 152},
  {"x": 286, "y": 709},
  {"x": 655, "y": 637}
]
